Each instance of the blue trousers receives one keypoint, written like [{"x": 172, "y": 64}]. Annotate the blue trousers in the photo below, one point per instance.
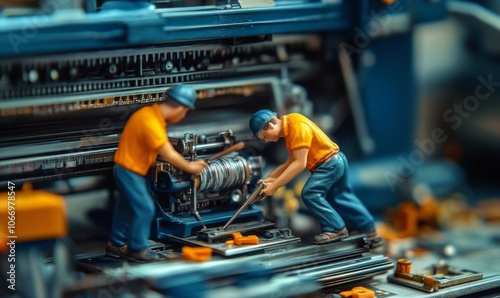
[
  {"x": 327, "y": 194},
  {"x": 134, "y": 211}
]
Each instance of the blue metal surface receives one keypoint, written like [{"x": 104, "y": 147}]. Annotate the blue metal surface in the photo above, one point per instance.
[
  {"x": 117, "y": 28},
  {"x": 165, "y": 224},
  {"x": 430, "y": 11},
  {"x": 387, "y": 86}
]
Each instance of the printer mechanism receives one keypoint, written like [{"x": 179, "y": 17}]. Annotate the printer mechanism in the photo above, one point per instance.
[{"x": 64, "y": 102}]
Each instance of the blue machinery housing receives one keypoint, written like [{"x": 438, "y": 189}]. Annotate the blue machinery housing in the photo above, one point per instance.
[
  {"x": 113, "y": 53},
  {"x": 366, "y": 28}
]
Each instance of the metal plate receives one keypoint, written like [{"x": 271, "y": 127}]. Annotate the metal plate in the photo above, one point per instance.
[
  {"x": 217, "y": 239},
  {"x": 217, "y": 234}
]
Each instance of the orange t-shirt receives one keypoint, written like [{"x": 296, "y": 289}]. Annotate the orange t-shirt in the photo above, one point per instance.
[
  {"x": 144, "y": 133},
  {"x": 300, "y": 132}
]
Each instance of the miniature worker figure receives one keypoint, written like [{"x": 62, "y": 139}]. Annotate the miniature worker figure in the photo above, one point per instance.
[
  {"x": 327, "y": 192},
  {"x": 143, "y": 139}
]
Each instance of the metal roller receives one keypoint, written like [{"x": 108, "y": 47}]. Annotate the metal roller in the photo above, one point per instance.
[{"x": 224, "y": 173}]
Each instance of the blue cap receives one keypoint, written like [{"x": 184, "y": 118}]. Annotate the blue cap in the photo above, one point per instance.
[
  {"x": 183, "y": 94},
  {"x": 259, "y": 120}
]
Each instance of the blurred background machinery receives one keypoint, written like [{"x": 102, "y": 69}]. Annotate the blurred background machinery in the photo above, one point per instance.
[{"x": 407, "y": 88}]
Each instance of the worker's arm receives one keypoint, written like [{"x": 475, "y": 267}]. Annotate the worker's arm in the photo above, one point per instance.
[
  {"x": 168, "y": 152},
  {"x": 279, "y": 170},
  {"x": 297, "y": 163}
]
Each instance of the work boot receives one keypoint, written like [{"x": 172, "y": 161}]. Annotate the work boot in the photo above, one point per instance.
[
  {"x": 372, "y": 238},
  {"x": 144, "y": 255},
  {"x": 327, "y": 237},
  {"x": 116, "y": 251}
]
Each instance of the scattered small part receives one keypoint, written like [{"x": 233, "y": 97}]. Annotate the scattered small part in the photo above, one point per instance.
[
  {"x": 404, "y": 266},
  {"x": 362, "y": 292},
  {"x": 239, "y": 239},
  {"x": 198, "y": 254},
  {"x": 358, "y": 292},
  {"x": 251, "y": 239}
]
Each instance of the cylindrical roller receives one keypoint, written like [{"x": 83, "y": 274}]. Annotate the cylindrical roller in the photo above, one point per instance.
[
  {"x": 404, "y": 266},
  {"x": 224, "y": 173}
]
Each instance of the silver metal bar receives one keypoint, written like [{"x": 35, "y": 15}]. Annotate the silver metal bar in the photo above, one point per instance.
[
  {"x": 254, "y": 197},
  {"x": 351, "y": 82}
]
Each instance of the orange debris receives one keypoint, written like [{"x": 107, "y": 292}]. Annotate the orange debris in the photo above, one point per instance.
[{"x": 198, "y": 254}]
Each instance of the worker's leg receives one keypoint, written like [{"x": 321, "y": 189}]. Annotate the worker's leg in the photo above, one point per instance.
[
  {"x": 315, "y": 191},
  {"x": 343, "y": 199},
  {"x": 132, "y": 217},
  {"x": 121, "y": 214}
]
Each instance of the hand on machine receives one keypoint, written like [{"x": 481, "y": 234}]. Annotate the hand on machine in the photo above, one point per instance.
[{"x": 236, "y": 147}]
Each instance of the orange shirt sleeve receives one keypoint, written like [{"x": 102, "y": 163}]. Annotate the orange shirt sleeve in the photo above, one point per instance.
[
  {"x": 144, "y": 133},
  {"x": 155, "y": 136},
  {"x": 301, "y": 136}
]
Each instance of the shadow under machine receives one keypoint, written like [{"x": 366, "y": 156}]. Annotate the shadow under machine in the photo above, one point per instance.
[{"x": 67, "y": 91}]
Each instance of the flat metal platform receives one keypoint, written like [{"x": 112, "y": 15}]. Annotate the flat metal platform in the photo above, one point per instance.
[
  {"x": 217, "y": 234},
  {"x": 270, "y": 237},
  {"x": 324, "y": 270},
  {"x": 293, "y": 269}
]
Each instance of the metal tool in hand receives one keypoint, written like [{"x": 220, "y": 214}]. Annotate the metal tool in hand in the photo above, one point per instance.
[{"x": 254, "y": 197}]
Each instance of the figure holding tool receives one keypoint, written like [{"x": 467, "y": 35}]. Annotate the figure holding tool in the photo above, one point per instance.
[{"x": 327, "y": 193}]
